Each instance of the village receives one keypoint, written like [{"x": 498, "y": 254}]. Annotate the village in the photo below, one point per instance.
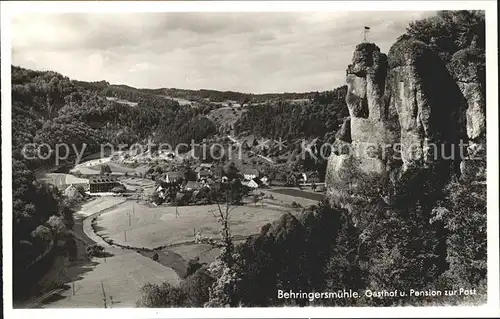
[
  {"x": 142, "y": 217},
  {"x": 188, "y": 186}
]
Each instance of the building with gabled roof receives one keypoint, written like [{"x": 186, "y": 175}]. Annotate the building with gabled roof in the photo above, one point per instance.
[
  {"x": 102, "y": 183},
  {"x": 250, "y": 173},
  {"x": 174, "y": 176}
]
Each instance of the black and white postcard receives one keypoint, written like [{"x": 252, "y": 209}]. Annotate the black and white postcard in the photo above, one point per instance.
[{"x": 249, "y": 159}]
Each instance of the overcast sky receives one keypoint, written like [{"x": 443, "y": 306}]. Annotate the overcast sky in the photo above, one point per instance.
[{"x": 246, "y": 52}]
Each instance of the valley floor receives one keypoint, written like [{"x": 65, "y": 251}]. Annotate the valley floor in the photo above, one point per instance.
[{"x": 116, "y": 279}]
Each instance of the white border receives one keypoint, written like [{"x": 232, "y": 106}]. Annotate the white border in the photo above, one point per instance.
[{"x": 8, "y": 9}]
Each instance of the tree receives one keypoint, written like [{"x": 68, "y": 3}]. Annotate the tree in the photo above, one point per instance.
[
  {"x": 235, "y": 192},
  {"x": 161, "y": 296},
  {"x": 450, "y": 31},
  {"x": 42, "y": 232},
  {"x": 156, "y": 198},
  {"x": 463, "y": 211},
  {"x": 224, "y": 290},
  {"x": 197, "y": 288},
  {"x": 119, "y": 189},
  {"x": 56, "y": 225},
  {"x": 256, "y": 199},
  {"x": 94, "y": 250},
  {"x": 232, "y": 172},
  {"x": 193, "y": 265}
]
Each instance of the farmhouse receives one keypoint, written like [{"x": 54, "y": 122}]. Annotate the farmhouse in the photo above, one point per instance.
[
  {"x": 204, "y": 175},
  {"x": 312, "y": 177},
  {"x": 72, "y": 192},
  {"x": 102, "y": 184},
  {"x": 292, "y": 179},
  {"x": 206, "y": 166},
  {"x": 174, "y": 176},
  {"x": 250, "y": 174},
  {"x": 190, "y": 185},
  {"x": 252, "y": 183}
]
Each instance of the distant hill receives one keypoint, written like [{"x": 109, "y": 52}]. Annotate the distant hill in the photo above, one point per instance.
[{"x": 51, "y": 108}]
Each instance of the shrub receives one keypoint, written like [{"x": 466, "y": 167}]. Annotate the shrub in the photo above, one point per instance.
[
  {"x": 197, "y": 288},
  {"x": 193, "y": 265},
  {"x": 464, "y": 213},
  {"x": 161, "y": 296},
  {"x": 155, "y": 257},
  {"x": 296, "y": 205},
  {"x": 95, "y": 250}
]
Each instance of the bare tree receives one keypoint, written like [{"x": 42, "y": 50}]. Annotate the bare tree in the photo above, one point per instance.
[{"x": 222, "y": 213}]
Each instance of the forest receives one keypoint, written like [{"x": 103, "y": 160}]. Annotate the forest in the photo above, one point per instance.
[
  {"x": 49, "y": 108},
  {"x": 281, "y": 119}
]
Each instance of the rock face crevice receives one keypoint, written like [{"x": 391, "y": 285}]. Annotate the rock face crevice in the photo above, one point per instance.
[
  {"x": 468, "y": 68},
  {"x": 409, "y": 112}
]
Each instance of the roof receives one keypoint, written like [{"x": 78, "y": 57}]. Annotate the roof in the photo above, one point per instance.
[
  {"x": 314, "y": 173},
  {"x": 205, "y": 173},
  {"x": 206, "y": 165},
  {"x": 72, "y": 191},
  {"x": 175, "y": 174},
  {"x": 258, "y": 181},
  {"x": 251, "y": 183},
  {"x": 193, "y": 185},
  {"x": 70, "y": 187},
  {"x": 102, "y": 179},
  {"x": 250, "y": 171}
]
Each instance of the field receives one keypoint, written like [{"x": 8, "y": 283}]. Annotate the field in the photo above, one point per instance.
[
  {"x": 127, "y": 222},
  {"x": 147, "y": 186},
  {"x": 98, "y": 205},
  {"x": 158, "y": 226},
  {"x": 61, "y": 179},
  {"x": 94, "y": 168}
]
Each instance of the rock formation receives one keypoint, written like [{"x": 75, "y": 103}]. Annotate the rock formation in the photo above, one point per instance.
[
  {"x": 468, "y": 68},
  {"x": 408, "y": 114}
]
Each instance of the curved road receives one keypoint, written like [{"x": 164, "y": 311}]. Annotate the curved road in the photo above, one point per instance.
[{"x": 120, "y": 275}]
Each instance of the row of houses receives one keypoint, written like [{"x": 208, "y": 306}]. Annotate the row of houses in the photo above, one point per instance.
[{"x": 207, "y": 175}]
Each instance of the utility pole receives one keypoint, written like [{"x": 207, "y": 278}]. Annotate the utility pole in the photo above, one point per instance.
[
  {"x": 104, "y": 295},
  {"x": 125, "y": 233},
  {"x": 129, "y": 222}
]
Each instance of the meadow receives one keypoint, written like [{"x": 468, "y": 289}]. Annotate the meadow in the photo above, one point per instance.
[{"x": 138, "y": 225}]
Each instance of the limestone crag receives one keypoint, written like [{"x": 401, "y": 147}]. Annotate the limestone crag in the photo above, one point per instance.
[
  {"x": 468, "y": 67},
  {"x": 407, "y": 113}
]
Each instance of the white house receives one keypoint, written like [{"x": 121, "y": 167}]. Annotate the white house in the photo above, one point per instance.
[
  {"x": 72, "y": 192},
  {"x": 250, "y": 174},
  {"x": 172, "y": 177}
]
